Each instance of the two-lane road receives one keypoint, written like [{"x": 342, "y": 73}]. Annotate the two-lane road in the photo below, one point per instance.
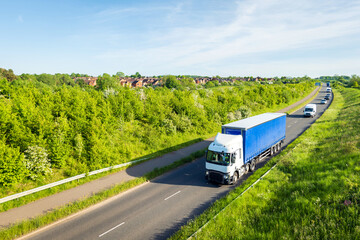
[{"x": 157, "y": 209}]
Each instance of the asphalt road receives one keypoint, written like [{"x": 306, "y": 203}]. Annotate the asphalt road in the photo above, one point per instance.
[{"x": 157, "y": 209}]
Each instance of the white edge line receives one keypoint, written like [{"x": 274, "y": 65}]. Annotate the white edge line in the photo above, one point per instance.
[
  {"x": 172, "y": 195},
  {"x": 84, "y": 211},
  {"x": 111, "y": 229}
]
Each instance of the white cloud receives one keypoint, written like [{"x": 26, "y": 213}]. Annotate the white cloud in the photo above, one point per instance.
[{"x": 257, "y": 27}]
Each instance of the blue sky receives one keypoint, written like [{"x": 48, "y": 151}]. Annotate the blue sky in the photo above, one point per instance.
[{"x": 265, "y": 38}]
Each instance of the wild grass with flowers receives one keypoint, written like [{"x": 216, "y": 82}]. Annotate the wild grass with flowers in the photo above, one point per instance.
[{"x": 312, "y": 193}]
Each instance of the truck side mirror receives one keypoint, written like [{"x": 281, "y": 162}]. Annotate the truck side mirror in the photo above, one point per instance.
[{"x": 233, "y": 157}]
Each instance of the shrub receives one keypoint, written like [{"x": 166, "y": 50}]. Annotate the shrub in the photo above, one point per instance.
[
  {"x": 12, "y": 169},
  {"x": 37, "y": 162},
  {"x": 168, "y": 126}
]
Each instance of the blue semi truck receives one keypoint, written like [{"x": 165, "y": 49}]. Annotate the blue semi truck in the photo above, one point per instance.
[{"x": 241, "y": 144}]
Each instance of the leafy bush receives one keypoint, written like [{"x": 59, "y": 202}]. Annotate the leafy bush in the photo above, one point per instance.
[{"x": 12, "y": 169}]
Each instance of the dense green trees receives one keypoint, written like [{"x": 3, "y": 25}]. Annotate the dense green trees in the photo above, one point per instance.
[
  {"x": 120, "y": 74},
  {"x": 106, "y": 81},
  {"x": 354, "y": 81},
  {"x": 78, "y": 129},
  {"x": 12, "y": 167},
  {"x": 136, "y": 75},
  {"x": 180, "y": 83},
  {"x": 171, "y": 82},
  {"x": 8, "y": 74}
]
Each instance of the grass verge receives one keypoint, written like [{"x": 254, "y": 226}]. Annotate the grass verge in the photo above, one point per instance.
[
  {"x": 25, "y": 227},
  {"x": 313, "y": 193}
]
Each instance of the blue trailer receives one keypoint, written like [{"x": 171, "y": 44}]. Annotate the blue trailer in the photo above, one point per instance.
[
  {"x": 328, "y": 84},
  {"x": 241, "y": 144}
]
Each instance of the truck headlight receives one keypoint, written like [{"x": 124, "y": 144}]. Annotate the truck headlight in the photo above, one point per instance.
[
  {"x": 226, "y": 176},
  {"x": 206, "y": 173}
]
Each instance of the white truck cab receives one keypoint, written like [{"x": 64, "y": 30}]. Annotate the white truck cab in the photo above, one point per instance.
[
  {"x": 241, "y": 144},
  {"x": 310, "y": 110},
  {"x": 224, "y": 155}
]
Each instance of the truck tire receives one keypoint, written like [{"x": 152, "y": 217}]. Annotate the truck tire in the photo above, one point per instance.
[
  {"x": 252, "y": 165},
  {"x": 247, "y": 167},
  {"x": 235, "y": 177}
]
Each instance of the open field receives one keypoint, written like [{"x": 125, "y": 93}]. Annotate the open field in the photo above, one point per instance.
[{"x": 313, "y": 193}]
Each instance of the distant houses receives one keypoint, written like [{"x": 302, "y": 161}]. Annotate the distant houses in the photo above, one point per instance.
[
  {"x": 153, "y": 81},
  {"x": 139, "y": 82},
  {"x": 87, "y": 80}
]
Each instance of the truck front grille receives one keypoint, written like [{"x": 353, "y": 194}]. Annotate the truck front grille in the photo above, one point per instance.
[{"x": 216, "y": 177}]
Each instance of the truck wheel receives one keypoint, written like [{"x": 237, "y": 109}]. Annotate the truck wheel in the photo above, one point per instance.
[
  {"x": 252, "y": 166},
  {"x": 235, "y": 177},
  {"x": 247, "y": 168}
]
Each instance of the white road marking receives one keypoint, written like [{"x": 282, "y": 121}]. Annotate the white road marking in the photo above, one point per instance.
[
  {"x": 87, "y": 210},
  {"x": 172, "y": 195},
  {"x": 111, "y": 229}
]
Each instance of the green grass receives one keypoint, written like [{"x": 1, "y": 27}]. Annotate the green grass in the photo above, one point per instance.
[
  {"x": 313, "y": 193},
  {"x": 25, "y": 227}
]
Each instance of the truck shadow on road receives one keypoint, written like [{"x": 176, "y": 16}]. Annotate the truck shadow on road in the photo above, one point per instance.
[{"x": 295, "y": 116}]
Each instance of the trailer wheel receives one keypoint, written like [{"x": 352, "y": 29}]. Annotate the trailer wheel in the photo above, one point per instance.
[
  {"x": 247, "y": 167},
  {"x": 252, "y": 165}
]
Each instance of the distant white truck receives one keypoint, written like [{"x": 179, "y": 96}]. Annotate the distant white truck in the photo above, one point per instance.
[{"x": 310, "y": 110}]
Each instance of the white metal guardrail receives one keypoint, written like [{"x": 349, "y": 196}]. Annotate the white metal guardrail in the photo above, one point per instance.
[{"x": 38, "y": 189}]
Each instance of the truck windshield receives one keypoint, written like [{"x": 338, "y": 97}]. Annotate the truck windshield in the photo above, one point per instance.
[
  {"x": 308, "y": 109},
  {"x": 218, "y": 158}
]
